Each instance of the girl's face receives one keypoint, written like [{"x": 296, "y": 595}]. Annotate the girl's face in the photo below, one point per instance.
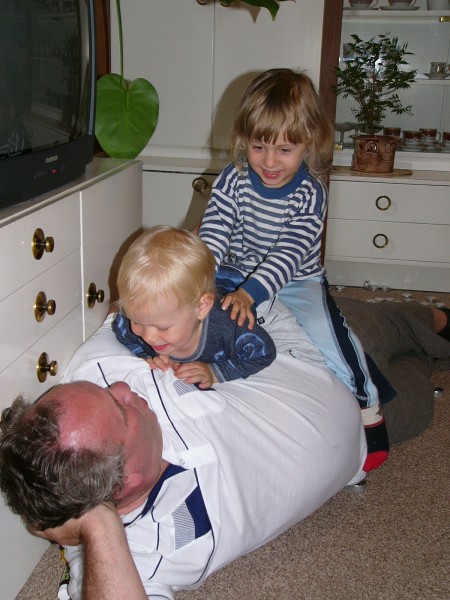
[
  {"x": 275, "y": 164},
  {"x": 168, "y": 328}
]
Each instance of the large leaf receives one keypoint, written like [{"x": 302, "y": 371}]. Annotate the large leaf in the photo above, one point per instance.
[
  {"x": 271, "y": 5},
  {"x": 126, "y": 115}
]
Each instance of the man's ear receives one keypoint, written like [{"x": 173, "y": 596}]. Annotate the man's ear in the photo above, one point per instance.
[
  {"x": 204, "y": 306},
  {"x": 132, "y": 480}
]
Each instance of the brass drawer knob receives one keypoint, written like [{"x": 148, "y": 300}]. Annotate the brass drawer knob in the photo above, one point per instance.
[
  {"x": 380, "y": 240},
  {"x": 42, "y": 306},
  {"x": 44, "y": 367},
  {"x": 94, "y": 296},
  {"x": 41, "y": 244}
]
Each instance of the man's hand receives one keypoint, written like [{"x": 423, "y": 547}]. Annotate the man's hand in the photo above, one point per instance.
[
  {"x": 107, "y": 575},
  {"x": 196, "y": 372},
  {"x": 241, "y": 303},
  {"x": 74, "y": 531}
]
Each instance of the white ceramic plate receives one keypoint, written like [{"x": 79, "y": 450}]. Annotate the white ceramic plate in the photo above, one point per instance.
[
  {"x": 353, "y": 8},
  {"x": 436, "y": 75}
]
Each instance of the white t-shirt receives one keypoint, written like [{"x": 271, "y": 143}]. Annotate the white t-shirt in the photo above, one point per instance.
[{"x": 262, "y": 453}]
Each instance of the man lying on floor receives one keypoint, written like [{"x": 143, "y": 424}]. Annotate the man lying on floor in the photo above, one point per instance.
[{"x": 198, "y": 478}]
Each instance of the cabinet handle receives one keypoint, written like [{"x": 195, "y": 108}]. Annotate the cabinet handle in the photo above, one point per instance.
[
  {"x": 383, "y": 202},
  {"x": 41, "y": 244},
  {"x": 382, "y": 242},
  {"x": 200, "y": 185},
  {"x": 94, "y": 296},
  {"x": 43, "y": 307},
  {"x": 45, "y": 367}
]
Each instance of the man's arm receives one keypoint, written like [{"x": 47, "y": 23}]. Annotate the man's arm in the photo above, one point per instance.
[{"x": 109, "y": 569}]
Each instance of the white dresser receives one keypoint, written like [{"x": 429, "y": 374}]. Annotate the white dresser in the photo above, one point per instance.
[
  {"x": 60, "y": 253},
  {"x": 392, "y": 231}
]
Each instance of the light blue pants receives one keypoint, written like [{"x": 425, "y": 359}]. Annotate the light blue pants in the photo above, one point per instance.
[{"x": 318, "y": 314}]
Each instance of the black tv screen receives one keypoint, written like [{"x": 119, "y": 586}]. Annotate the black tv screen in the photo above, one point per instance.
[{"x": 47, "y": 95}]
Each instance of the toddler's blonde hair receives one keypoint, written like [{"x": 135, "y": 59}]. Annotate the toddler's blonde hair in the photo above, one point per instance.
[
  {"x": 283, "y": 100},
  {"x": 165, "y": 262}
]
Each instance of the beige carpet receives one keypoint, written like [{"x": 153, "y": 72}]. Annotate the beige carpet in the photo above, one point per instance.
[{"x": 390, "y": 542}]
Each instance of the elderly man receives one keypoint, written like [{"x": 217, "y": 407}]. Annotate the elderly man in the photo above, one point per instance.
[{"x": 197, "y": 478}]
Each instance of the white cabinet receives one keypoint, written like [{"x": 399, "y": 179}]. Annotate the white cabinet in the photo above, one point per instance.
[
  {"x": 175, "y": 198},
  {"x": 199, "y": 58},
  {"x": 57, "y": 245},
  {"x": 391, "y": 231},
  {"x": 111, "y": 217}
]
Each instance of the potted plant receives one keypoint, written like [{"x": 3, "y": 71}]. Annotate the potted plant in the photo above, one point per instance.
[
  {"x": 374, "y": 71},
  {"x": 127, "y": 112}
]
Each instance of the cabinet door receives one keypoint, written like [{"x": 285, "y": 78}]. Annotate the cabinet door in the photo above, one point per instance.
[
  {"x": 172, "y": 199},
  {"x": 111, "y": 217},
  {"x": 391, "y": 201},
  {"x": 59, "y": 344},
  {"x": 60, "y": 285},
  {"x": 406, "y": 243},
  {"x": 60, "y": 221}
]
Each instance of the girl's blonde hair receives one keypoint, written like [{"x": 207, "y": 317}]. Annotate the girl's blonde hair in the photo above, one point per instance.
[
  {"x": 283, "y": 100},
  {"x": 165, "y": 262}
]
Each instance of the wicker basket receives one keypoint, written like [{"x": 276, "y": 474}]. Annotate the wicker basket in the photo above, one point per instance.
[{"x": 373, "y": 154}]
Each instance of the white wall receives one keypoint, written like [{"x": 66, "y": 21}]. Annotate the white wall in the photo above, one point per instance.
[{"x": 200, "y": 58}]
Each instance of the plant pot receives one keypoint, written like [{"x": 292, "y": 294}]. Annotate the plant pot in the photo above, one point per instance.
[{"x": 373, "y": 153}]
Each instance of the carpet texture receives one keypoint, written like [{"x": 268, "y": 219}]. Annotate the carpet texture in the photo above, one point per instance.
[{"x": 387, "y": 542}]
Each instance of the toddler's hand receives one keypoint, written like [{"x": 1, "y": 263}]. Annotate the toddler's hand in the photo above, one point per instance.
[
  {"x": 196, "y": 372},
  {"x": 162, "y": 362}
]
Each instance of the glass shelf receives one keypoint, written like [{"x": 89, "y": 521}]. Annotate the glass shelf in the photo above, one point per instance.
[{"x": 378, "y": 14}]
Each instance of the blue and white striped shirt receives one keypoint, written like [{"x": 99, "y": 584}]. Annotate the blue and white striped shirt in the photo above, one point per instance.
[{"x": 271, "y": 235}]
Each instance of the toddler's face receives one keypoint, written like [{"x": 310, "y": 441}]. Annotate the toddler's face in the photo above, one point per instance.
[
  {"x": 275, "y": 164},
  {"x": 169, "y": 329}
]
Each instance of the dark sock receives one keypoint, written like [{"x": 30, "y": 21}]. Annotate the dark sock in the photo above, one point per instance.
[
  {"x": 376, "y": 437},
  {"x": 377, "y": 446}
]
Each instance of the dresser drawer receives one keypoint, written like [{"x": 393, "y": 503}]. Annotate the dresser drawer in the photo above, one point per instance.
[
  {"x": 401, "y": 202},
  {"x": 62, "y": 284},
  {"x": 60, "y": 220},
  {"x": 59, "y": 343},
  {"x": 399, "y": 241}
]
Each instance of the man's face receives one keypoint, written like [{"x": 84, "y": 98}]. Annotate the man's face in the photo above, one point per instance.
[{"x": 102, "y": 418}]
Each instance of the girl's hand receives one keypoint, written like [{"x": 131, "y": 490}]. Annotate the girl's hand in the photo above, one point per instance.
[
  {"x": 196, "y": 372},
  {"x": 241, "y": 303}
]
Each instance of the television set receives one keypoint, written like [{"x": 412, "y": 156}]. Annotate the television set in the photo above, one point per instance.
[{"x": 47, "y": 95}]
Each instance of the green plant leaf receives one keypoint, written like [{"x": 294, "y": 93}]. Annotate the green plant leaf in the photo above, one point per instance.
[
  {"x": 126, "y": 115},
  {"x": 271, "y": 5},
  {"x": 372, "y": 74}
]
